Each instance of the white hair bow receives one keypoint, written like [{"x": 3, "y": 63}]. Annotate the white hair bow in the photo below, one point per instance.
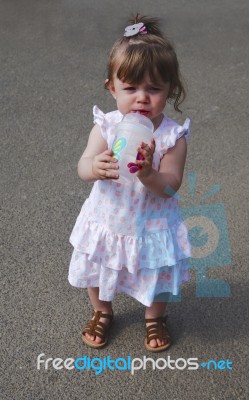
[{"x": 133, "y": 30}]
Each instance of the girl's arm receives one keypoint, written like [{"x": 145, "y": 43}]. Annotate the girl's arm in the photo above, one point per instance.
[
  {"x": 168, "y": 179},
  {"x": 96, "y": 161}
]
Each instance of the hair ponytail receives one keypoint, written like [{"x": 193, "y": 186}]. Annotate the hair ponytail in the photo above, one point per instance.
[{"x": 152, "y": 24}]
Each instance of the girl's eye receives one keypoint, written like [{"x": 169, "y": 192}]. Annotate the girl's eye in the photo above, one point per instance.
[
  {"x": 155, "y": 89},
  {"x": 150, "y": 89}
]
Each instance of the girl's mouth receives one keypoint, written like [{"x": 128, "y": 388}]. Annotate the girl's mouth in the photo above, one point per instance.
[{"x": 143, "y": 112}]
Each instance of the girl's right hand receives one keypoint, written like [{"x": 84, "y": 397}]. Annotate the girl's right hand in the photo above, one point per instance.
[{"x": 104, "y": 166}]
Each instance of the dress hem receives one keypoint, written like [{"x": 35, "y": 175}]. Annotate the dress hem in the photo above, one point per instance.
[{"x": 122, "y": 290}]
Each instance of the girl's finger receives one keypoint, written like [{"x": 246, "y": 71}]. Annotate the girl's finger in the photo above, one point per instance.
[
  {"x": 144, "y": 145},
  {"x": 106, "y": 158},
  {"x": 105, "y": 165},
  {"x": 141, "y": 151},
  {"x": 144, "y": 151},
  {"x": 139, "y": 162},
  {"x": 153, "y": 145},
  {"x": 109, "y": 152}
]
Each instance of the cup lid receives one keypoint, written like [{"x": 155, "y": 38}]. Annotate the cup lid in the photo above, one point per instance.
[{"x": 137, "y": 118}]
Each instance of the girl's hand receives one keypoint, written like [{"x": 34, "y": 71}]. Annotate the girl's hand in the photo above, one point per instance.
[
  {"x": 103, "y": 166},
  {"x": 147, "y": 152}
]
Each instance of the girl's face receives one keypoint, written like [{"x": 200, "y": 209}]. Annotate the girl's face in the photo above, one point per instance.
[{"x": 146, "y": 97}]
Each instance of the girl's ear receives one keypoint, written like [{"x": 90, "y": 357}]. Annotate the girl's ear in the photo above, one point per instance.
[{"x": 109, "y": 85}]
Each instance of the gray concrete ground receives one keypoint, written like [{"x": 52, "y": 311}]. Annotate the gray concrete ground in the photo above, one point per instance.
[{"x": 53, "y": 60}]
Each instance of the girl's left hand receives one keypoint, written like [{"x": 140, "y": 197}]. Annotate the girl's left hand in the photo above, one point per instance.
[{"x": 147, "y": 152}]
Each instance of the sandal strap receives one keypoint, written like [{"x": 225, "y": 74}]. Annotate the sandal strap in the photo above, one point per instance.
[
  {"x": 163, "y": 319},
  {"x": 158, "y": 330},
  {"x": 96, "y": 327},
  {"x": 99, "y": 314}
]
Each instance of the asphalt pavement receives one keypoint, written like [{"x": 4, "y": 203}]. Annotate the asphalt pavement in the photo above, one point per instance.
[{"x": 53, "y": 67}]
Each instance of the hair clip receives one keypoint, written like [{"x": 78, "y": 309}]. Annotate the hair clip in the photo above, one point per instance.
[{"x": 133, "y": 30}]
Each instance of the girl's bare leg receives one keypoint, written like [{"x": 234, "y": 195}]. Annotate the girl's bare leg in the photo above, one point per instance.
[
  {"x": 98, "y": 305},
  {"x": 157, "y": 309}
]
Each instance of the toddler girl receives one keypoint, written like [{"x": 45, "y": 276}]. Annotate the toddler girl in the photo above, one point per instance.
[{"x": 130, "y": 238}]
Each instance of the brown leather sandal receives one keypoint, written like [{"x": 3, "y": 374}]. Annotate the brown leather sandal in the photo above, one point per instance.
[
  {"x": 158, "y": 330},
  {"x": 97, "y": 328}
]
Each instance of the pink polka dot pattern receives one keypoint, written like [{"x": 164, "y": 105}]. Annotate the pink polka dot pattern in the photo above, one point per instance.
[{"x": 126, "y": 240}]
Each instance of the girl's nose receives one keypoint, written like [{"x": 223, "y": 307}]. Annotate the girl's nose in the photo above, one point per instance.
[{"x": 142, "y": 96}]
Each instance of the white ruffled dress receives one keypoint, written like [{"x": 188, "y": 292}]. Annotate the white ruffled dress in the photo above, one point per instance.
[{"x": 126, "y": 239}]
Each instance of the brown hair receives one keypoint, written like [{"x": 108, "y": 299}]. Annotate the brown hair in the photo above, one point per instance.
[{"x": 132, "y": 57}]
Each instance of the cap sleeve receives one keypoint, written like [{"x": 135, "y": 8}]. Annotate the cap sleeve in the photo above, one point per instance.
[
  {"x": 99, "y": 118},
  {"x": 171, "y": 134},
  {"x": 107, "y": 123}
]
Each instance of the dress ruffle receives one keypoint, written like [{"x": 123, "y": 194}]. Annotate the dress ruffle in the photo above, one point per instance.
[
  {"x": 142, "y": 286},
  {"x": 116, "y": 251}
]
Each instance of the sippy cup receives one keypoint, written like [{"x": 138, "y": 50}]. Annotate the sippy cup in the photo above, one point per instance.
[{"x": 130, "y": 132}]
